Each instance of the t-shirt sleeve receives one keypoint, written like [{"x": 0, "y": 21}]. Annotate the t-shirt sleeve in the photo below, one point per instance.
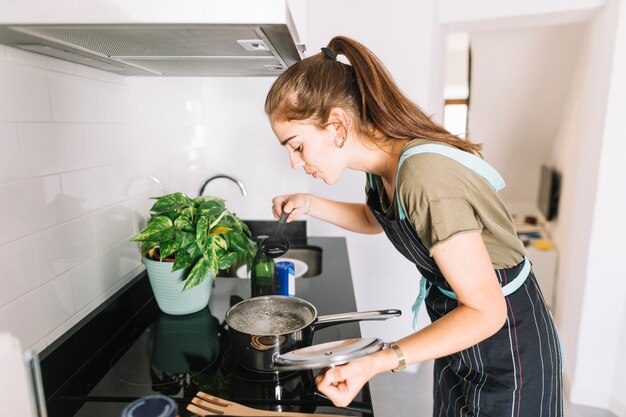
[{"x": 434, "y": 193}]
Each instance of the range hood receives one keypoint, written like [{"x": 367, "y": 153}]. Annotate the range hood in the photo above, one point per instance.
[{"x": 160, "y": 38}]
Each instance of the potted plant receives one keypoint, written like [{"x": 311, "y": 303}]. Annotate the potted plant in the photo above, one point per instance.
[{"x": 185, "y": 243}]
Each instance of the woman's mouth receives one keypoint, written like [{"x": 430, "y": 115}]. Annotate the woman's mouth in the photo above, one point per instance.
[{"x": 314, "y": 174}]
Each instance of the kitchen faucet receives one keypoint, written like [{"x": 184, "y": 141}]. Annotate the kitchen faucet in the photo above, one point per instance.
[{"x": 214, "y": 177}]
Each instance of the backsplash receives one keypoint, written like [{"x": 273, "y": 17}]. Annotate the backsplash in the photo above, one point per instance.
[{"x": 81, "y": 152}]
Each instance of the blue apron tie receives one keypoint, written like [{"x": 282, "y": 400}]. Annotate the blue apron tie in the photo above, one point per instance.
[
  {"x": 492, "y": 176},
  {"x": 509, "y": 288},
  {"x": 421, "y": 296}
]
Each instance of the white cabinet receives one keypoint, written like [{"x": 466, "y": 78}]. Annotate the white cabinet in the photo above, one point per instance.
[
  {"x": 545, "y": 262},
  {"x": 542, "y": 253}
]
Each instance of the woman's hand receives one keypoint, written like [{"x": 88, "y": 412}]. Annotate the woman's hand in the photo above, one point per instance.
[
  {"x": 351, "y": 216},
  {"x": 342, "y": 383},
  {"x": 294, "y": 204}
]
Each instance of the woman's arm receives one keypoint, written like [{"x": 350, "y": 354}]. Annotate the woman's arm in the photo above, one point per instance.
[
  {"x": 481, "y": 312},
  {"x": 350, "y": 216}
]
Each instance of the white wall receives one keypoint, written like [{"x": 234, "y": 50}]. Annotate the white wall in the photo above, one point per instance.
[
  {"x": 602, "y": 328},
  {"x": 578, "y": 155},
  {"x": 81, "y": 153},
  {"x": 520, "y": 80},
  {"x": 588, "y": 151}
]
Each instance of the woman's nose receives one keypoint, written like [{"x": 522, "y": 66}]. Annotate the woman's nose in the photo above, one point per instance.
[{"x": 296, "y": 161}]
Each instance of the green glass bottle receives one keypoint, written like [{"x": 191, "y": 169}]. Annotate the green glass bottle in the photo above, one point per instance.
[{"x": 262, "y": 280}]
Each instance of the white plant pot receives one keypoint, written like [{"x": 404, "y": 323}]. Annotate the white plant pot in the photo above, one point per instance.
[{"x": 167, "y": 287}]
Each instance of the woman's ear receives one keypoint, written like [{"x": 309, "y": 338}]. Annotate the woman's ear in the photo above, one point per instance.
[{"x": 339, "y": 119}]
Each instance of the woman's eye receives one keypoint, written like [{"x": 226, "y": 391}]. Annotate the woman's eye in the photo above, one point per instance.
[{"x": 298, "y": 149}]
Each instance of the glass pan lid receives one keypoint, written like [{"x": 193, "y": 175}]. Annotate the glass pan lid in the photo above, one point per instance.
[{"x": 328, "y": 354}]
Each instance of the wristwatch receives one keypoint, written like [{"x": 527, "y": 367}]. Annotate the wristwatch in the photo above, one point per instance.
[{"x": 400, "y": 355}]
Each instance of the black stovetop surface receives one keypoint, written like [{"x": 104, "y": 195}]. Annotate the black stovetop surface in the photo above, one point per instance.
[{"x": 128, "y": 348}]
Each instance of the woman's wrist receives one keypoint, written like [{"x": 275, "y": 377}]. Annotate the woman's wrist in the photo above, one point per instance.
[
  {"x": 401, "y": 360},
  {"x": 308, "y": 211},
  {"x": 386, "y": 360}
]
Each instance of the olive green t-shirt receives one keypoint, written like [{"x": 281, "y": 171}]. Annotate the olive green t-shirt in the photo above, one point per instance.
[{"x": 442, "y": 198}]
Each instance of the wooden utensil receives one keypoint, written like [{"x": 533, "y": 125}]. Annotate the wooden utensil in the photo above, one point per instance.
[{"x": 207, "y": 405}]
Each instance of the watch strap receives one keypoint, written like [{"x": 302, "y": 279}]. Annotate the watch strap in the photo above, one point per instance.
[{"x": 401, "y": 360}]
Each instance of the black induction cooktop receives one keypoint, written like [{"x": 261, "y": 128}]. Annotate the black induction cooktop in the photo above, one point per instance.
[{"x": 128, "y": 348}]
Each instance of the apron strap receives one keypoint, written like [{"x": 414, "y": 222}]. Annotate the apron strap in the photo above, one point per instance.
[
  {"x": 370, "y": 178},
  {"x": 425, "y": 286},
  {"x": 509, "y": 288},
  {"x": 483, "y": 169},
  {"x": 472, "y": 162}
]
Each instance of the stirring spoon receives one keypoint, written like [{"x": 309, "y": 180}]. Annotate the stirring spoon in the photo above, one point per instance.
[{"x": 276, "y": 245}]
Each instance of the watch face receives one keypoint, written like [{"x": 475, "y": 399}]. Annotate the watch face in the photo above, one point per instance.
[{"x": 327, "y": 354}]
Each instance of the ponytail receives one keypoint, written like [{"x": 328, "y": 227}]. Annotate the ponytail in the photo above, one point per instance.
[{"x": 311, "y": 88}]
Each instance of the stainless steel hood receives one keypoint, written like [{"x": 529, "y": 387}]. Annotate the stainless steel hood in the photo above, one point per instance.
[{"x": 190, "y": 39}]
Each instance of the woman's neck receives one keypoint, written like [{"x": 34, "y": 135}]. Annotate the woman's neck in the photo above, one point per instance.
[
  {"x": 392, "y": 158},
  {"x": 379, "y": 159}
]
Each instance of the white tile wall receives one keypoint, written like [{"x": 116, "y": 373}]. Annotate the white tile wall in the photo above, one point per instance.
[
  {"x": 85, "y": 100},
  {"x": 91, "y": 279},
  {"x": 40, "y": 311},
  {"x": 10, "y": 167},
  {"x": 106, "y": 144},
  {"x": 29, "y": 206},
  {"x": 81, "y": 153},
  {"x": 20, "y": 272},
  {"x": 49, "y": 148},
  {"x": 24, "y": 93},
  {"x": 87, "y": 190},
  {"x": 112, "y": 225},
  {"x": 63, "y": 247}
]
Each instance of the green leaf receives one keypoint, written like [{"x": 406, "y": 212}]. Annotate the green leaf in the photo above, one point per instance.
[
  {"x": 146, "y": 246},
  {"x": 156, "y": 230},
  {"x": 219, "y": 241},
  {"x": 163, "y": 235},
  {"x": 187, "y": 239},
  {"x": 194, "y": 250},
  {"x": 213, "y": 251},
  {"x": 183, "y": 223},
  {"x": 188, "y": 212},
  {"x": 234, "y": 223},
  {"x": 198, "y": 273},
  {"x": 237, "y": 242},
  {"x": 227, "y": 260},
  {"x": 171, "y": 202},
  {"x": 169, "y": 247},
  {"x": 202, "y": 231},
  {"x": 245, "y": 229},
  {"x": 171, "y": 214},
  {"x": 211, "y": 212},
  {"x": 183, "y": 261},
  {"x": 209, "y": 201}
]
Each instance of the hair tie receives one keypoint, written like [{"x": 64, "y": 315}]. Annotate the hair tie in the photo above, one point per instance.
[{"x": 329, "y": 53}]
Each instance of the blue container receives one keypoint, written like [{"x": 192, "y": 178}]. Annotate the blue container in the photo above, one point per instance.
[
  {"x": 285, "y": 278},
  {"x": 151, "y": 406}
]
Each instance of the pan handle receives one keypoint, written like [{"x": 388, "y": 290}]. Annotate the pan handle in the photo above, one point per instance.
[{"x": 332, "y": 319}]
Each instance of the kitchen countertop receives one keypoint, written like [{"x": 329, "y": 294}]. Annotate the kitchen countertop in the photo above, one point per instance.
[{"x": 81, "y": 371}]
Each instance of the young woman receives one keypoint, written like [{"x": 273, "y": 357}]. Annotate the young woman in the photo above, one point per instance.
[{"x": 495, "y": 345}]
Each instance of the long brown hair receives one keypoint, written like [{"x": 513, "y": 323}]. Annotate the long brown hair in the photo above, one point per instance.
[{"x": 311, "y": 88}]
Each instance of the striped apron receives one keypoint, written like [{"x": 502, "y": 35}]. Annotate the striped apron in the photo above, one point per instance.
[{"x": 517, "y": 371}]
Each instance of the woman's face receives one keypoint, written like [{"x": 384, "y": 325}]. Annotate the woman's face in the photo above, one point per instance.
[{"x": 316, "y": 150}]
